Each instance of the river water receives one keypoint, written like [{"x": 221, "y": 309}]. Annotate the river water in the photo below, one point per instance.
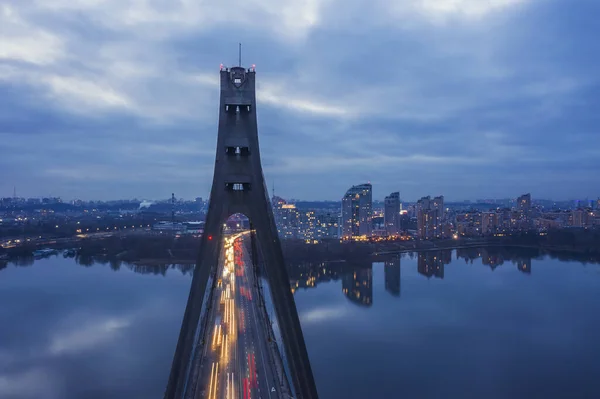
[{"x": 466, "y": 324}]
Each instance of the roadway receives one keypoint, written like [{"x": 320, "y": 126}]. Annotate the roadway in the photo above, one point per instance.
[{"x": 237, "y": 361}]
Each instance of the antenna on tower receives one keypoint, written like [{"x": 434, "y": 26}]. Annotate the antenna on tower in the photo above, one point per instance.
[
  {"x": 273, "y": 188},
  {"x": 240, "y": 54},
  {"x": 15, "y": 192}
]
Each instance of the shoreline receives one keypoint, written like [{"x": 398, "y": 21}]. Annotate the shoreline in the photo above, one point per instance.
[
  {"x": 541, "y": 250},
  {"x": 144, "y": 250}
]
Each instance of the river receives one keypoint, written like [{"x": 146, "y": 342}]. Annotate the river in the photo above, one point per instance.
[{"x": 471, "y": 324}]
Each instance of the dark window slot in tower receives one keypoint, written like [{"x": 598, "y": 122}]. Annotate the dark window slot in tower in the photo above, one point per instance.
[
  {"x": 237, "y": 186},
  {"x": 242, "y": 151},
  {"x": 238, "y": 109}
]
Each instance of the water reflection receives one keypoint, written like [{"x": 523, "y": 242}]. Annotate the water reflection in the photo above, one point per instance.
[
  {"x": 524, "y": 266},
  {"x": 358, "y": 285},
  {"x": 70, "y": 331},
  {"x": 497, "y": 256},
  {"x": 353, "y": 274},
  {"x": 391, "y": 270},
  {"x": 431, "y": 264},
  {"x": 114, "y": 264},
  {"x": 357, "y": 277}
]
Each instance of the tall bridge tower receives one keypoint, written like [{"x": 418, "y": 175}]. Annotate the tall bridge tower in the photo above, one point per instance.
[{"x": 239, "y": 187}]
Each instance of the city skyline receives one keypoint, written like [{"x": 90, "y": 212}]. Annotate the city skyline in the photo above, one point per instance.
[
  {"x": 460, "y": 98},
  {"x": 381, "y": 199}
]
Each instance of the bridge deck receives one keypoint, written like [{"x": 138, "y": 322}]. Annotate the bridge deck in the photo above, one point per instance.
[{"x": 237, "y": 359}]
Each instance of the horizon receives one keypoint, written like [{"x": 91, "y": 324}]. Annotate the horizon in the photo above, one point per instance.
[{"x": 168, "y": 199}]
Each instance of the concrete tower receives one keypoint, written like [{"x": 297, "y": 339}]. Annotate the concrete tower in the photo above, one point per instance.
[{"x": 239, "y": 187}]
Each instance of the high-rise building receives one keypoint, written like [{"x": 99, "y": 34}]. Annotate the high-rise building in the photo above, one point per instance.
[
  {"x": 489, "y": 222},
  {"x": 524, "y": 203},
  {"x": 438, "y": 221},
  {"x": 423, "y": 217},
  {"x": 357, "y": 212},
  {"x": 598, "y": 204},
  {"x": 579, "y": 219},
  {"x": 287, "y": 219},
  {"x": 327, "y": 225},
  {"x": 430, "y": 217},
  {"x": 524, "y": 210},
  {"x": 391, "y": 214},
  {"x": 308, "y": 225}
]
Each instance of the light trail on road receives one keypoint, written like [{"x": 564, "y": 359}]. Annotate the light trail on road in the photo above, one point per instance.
[{"x": 241, "y": 365}]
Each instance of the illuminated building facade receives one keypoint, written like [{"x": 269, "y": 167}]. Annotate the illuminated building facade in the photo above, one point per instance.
[
  {"x": 489, "y": 222},
  {"x": 438, "y": 218},
  {"x": 287, "y": 219},
  {"x": 524, "y": 209},
  {"x": 308, "y": 223},
  {"x": 327, "y": 225},
  {"x": 578, "y": 219},
  {"x": 430, "y": 217},
  {"x": 391, "y": 214},
  {"x": 357, "y": 212},
  {"x": 524, "y": 203}
]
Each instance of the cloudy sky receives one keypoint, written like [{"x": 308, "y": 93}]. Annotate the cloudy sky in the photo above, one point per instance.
[{"x": 466, "y": 98}]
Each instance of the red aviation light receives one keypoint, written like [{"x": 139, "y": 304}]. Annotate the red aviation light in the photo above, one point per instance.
[{"x": 209, "y": 238}]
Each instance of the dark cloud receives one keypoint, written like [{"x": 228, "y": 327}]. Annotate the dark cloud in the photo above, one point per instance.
[{"x": 462, "y": 98}]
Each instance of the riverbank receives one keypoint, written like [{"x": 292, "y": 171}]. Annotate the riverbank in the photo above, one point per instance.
[{"x": 151, "y": 250}]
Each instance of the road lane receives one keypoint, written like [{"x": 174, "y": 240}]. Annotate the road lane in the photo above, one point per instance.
[
  {"x": 264, "y": 376},
  {"x": 237, "y": 362}
]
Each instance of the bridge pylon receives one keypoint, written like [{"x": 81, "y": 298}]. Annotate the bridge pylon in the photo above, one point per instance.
[{"x": 239, "y": 187}]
